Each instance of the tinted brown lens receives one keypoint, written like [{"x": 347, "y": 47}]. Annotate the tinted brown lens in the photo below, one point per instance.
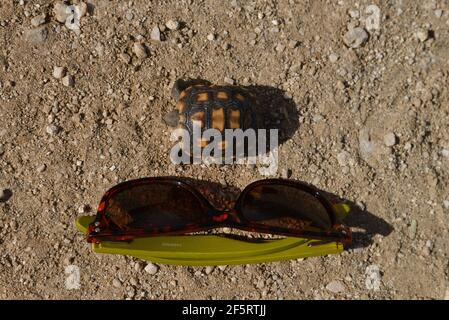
[
  {"x": 285, "y": 206},
  {"x": 149, "y": 206}
]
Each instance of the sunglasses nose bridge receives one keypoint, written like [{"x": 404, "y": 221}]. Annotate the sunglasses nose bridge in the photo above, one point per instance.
[{"x": 225, "y": 215}]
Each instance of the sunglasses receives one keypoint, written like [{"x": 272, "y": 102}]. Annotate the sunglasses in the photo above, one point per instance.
[{"x": 163, "y": 206}]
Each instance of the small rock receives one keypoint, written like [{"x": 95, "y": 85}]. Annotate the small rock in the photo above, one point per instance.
[
  {"x": 445, "y": 153},
  {"x": 59, "y": 72},
  {"x": 446, "y": 204},
  {"x": 209, "y": 269},
  {"x": 211, "y": 37},
  {"x": 140, "y": 50},
  {"x": 336, "y": 286},
  {"x": 68, "y": 81},
  {"x": 155, "y": 34},
  {"x": 438, "y": 13},
  {"x": 52, "y": 129},
  {"x": 138, "y": 266},
  {"x": 412, "y": 229},
  {"x": 390, "y": 139},
  {"x": 422, "y": 35},
  {"x": 333, "y": 57},
  {"x": 60, "y": 12},
  {"x": 292, "y": 44},
  {"x": 229, "y": 81},
  {"x": 2, "y": 149},
  {"x": 129, "y": 15},
  {"x": 116, "y": 283},
  {"x": 343, "y": 158},
  {"x": 38, "y": 20},
  {"x": 36, "y": 36},
  {"x": 356, "y": 37},
  {"x": 151, "y": 268},
  {"x": 373, "y": 277},
  {"x": 126, "y": 58},
  {"x": 172, "y": 24},
  {"x": 41, "y": 168}
]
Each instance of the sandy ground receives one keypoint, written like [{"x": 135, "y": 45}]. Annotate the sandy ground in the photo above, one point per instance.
[{"x": 370, "y": 125}]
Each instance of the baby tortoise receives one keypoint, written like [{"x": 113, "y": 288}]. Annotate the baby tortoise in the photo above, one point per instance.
[{"x": 212, "y": 106}]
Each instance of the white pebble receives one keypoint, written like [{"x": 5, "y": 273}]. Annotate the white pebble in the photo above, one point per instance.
[
  {"x": 356, "y": 37},
  {"x": 333, "y": 57},
  {"x": 422, "y": 35},
  {"x": 52, "y": 129},
  {"x": 211, "y": 37},
  {"x": 343, "y": 158},
  {"x": 58, "y": 72},
  {"x": 336, "y": 286},
  {"x": 155, "y": 34},
  {"x": 390, "y": 139},
  {"x": 172, "y": 24},
  {"x": 151, "y": 268},
  {"x": 229, "y": 81}
]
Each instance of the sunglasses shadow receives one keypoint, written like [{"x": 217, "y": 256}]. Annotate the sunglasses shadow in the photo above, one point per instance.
[{"x": 363, "y": 223}]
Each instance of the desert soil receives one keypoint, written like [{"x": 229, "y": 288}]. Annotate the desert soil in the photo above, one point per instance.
[{"x": 370, "y": 124}]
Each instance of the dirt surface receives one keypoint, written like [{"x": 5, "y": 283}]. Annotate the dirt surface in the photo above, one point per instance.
[{"x": 372, "y": 128}]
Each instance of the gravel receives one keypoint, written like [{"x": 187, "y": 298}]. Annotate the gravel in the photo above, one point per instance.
[{"x": 52, "y": 129}]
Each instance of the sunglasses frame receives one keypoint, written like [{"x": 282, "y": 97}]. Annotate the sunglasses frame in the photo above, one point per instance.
[{"x": 213, "y": 217}]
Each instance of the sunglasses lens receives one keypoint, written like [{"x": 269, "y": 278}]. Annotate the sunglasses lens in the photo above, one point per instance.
[
  {"x": 284, "y": 206},
  {"x": 154, "y": 207}
]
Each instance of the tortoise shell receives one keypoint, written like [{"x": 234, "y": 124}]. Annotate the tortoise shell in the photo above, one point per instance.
[{"x": 217, "y": 107}]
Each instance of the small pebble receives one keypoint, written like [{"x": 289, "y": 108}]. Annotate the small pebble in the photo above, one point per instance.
[
  {"x": 68, "y": 81},
  {"x": 355, "y": 38},
  {"x": 438, "y": 13},
  {"x": 422, "y": 35},
  {"x": 151, "y": 268},
  {"x": 140, "y": 50},
  {"x": 129, "y": 15},
  {"x": 336, "y": 286},
  {"x": 209, "y": 269},
  {"x": 58, "y": 72},
  {"x": 38, "y": 20},
  {"x": 138, "y": 266},
  {"x": 343, "y": 158},
  {"x": 172, "y": 24},
  {"x": 229, "y": 81},
  {"x": 211, "y": 37},
  {"x": 37, "y": 35},
  {"x": 445, "y": 153},
  {"x": 412, "y": 229},
  {"x": 52, "y": 129},
  {"x": 116, "y": 283},
  {"x": 155, "y": 34},
  {"x": 390, "y": 139},
  {"x": 41, "y": 168},
  {"x": 333, "y": 57},
  {"x": 60, "y": 12},
  {"x": 446, "y": 204}
]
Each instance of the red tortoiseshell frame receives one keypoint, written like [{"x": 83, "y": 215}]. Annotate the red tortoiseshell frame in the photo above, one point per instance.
[{"x": 99, "y": 230}]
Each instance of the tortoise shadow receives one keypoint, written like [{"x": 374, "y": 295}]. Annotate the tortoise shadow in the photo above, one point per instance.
[
  {"x": 276, "y": 111},
  {"x": 366, "y": 224}
]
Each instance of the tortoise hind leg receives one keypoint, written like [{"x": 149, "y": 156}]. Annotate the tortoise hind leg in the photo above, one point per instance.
[{"x": 180, "y": 85}]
